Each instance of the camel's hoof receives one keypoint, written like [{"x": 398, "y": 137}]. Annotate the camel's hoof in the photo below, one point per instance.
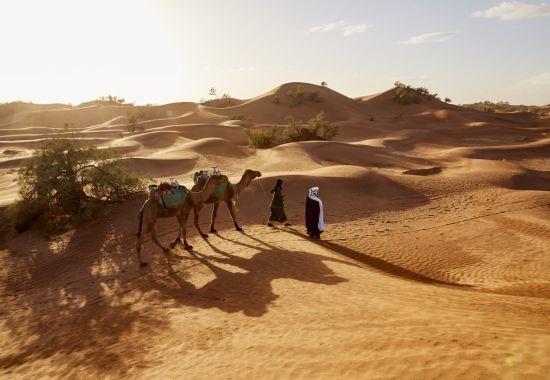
[
  {"x": 238, "y": 228},
  {"x": 166, "y": 250},
  {"x": 142, "y": 264},
  {"x": 188, "y": 247},
  {"x": 213, "y": 231},
  {"x": 204, "y": 236},
  {"x": 172, "y": 245}
]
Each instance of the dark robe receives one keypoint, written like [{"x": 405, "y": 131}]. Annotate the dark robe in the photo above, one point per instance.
[
  {"x": 277, "y": 206},
  {"x": 312, "y": 217}
]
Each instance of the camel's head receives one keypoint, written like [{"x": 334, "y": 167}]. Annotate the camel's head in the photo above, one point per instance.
[{"x": 252, "y": 173}]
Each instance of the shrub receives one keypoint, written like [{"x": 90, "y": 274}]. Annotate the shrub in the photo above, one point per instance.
[
  {"x": 261, "y": 139},
  {"x": 134, "y": 121},
  {"x": 317, "y": 128},
  {"x": 296, "y": 96},
  {"x": 63, "y": 184},
  {"x": 299, "y": 96},
  {"x": 237, "y": 117},
  {"x": 406, "y": 94}
]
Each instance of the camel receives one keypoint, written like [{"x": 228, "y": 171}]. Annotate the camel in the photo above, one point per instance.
[
  {"x": 151, "y": 210},
  {"x": 229, "y": 196}
]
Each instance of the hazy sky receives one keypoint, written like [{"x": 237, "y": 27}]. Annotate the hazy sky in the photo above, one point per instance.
[{"x": 160, "y": 51}]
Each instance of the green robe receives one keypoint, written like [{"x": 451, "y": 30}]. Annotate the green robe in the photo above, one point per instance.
[{"x": 277, "y": 206}]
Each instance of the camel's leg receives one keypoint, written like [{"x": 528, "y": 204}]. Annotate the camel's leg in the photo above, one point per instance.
[
  {"x": 156, "y": 240},
  {"x": 183, "y": 231},
  {"x": 138, "y": 247},
  {"x": 214, "y": 214},
  {"x": 232, "y": 212},
  {"x": 147, "y": 218},
  {"x": 196, "y": 212}
]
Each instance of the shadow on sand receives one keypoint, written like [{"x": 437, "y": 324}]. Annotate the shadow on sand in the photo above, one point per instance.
[
  {"x": 373, "y": 262},
  {"x": 79, "y": 299}
]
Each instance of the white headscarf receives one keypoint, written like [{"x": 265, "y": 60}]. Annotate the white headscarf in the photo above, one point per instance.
[{"x": 313, "y": 196}]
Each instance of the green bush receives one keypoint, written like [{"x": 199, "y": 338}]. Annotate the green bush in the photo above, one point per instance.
[
  {"x": 260, "y": 139},
  {"x": 405, "y": 94},
  {"x": 64, "y": 183},
  {"x": 317, "y": 128},
  {"x": 299, "y": 96},
  {"x": 296, "y": 96}
]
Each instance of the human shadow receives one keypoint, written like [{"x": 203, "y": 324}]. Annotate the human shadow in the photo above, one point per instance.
[
  {"x": 531, "y": 179},
  {"x": 63, "y": 292},
  {"x": 374, "y": 262}
]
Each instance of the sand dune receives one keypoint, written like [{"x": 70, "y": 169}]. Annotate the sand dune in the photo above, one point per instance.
[{"x": 443, "y": 272}]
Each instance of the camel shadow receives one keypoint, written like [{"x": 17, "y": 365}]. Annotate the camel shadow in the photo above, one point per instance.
[
  {"x": 375, "y": 263},
  {"x": 243, "y": 284}
]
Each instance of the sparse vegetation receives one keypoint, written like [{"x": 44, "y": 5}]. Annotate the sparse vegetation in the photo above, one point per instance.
[
  {"x": 261, "y": 139},
  {"x": 324, "y": 84},
  {"x": 405, "y": 94},
  {"x": 504, "y": 106},
  {"x": 112, "y": 99},
  {"x": 64, "y": 183},
  {"x": 213, "y": 92},
  {"x": 135, "y": 120},
  {"x": 237, "y": 117},
  {"x": 299, "y": 95},
  {"x": 296, "y": 96},
  {"x": 448, "y": 100},
  {"x": 317, "y": 128},
  {"x": 226, "y": 99}
]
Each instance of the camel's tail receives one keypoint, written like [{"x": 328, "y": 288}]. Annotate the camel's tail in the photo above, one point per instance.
[{"x": 140, "y": 222}]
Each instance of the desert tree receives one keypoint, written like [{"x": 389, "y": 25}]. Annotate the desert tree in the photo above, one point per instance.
[
  {"x": 64, "y": 183},
  {"x": 213, "y": 92}
]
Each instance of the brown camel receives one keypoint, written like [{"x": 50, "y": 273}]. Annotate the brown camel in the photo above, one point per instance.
[
  {"x": 229, "y": 196},
  {"x": 151, "y": 210}
]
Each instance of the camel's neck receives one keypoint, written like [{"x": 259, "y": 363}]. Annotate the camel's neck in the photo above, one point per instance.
[{"x": 243, "y": 183}]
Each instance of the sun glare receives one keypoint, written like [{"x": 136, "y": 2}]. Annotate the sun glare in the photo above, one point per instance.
[{"x": 76, "y": 51}]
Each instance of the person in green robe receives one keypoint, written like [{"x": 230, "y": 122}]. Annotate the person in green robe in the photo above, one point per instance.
[{"x": 278, "y": 205}]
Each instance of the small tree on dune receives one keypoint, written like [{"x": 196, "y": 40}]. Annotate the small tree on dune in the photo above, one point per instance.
[
  {"x": 213, "y": 92},
  {"x": 324, "y": 84},
  {"x": 448, "y": 100}
]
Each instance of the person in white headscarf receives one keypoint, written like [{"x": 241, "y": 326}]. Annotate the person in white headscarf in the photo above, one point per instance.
[{"x": 315, "y": 222}]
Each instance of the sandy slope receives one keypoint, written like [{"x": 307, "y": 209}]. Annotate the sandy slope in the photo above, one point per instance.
[{"x": 417, "y": 276}]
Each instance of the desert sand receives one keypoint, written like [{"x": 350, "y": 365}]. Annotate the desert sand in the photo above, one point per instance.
[{"x": 440, "y": 273}]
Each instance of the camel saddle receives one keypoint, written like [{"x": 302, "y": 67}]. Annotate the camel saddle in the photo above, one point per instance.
[
  {"x": 201, "y": 177},
  {"x": 168, "y": 195}
]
